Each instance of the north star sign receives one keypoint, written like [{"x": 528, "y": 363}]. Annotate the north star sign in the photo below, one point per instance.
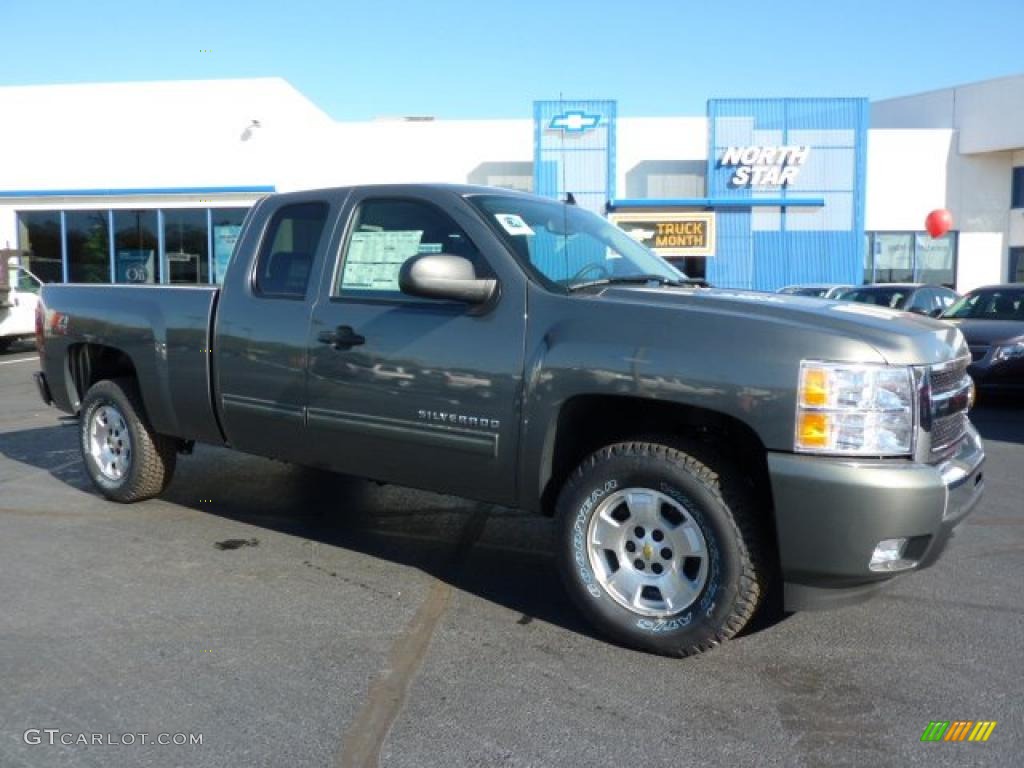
[
  {"x": 574, "y": 122},
  {"x": 761, "y": 166}
]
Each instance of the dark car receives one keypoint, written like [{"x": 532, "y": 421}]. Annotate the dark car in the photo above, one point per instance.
[
  {"x": 992, "y": 321},
  {"x": 919, "y": 298}
]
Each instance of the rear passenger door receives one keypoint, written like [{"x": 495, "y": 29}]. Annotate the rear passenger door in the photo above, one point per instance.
[
  {"x": 419, "y": 392},
  {"x": 262, "y": 324}
]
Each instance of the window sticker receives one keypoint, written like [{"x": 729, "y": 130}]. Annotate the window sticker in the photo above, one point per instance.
[
  {"x": 513, "y": 224},
  {"x": 375, "y": 257}
]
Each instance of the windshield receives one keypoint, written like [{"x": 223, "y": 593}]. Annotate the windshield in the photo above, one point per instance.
[
  {"x": 568, "y": 245},
  {"x": 1001, "y": 304},
  {"x": 894, "y": 298}
]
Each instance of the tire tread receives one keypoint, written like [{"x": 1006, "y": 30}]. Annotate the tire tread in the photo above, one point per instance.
[{"x": 749, "y": 528}]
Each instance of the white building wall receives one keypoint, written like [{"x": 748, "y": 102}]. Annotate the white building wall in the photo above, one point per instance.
[{"x": 912, "y": 172}]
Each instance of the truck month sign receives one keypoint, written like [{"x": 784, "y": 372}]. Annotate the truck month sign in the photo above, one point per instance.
[{"x": 671, "y": 234}]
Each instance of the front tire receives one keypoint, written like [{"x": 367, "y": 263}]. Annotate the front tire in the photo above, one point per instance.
[
  {"x": 124, "y": 457},
  {"x": 660, "y": 549}
]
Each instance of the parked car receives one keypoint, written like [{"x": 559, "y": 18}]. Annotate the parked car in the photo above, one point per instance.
[
  {"x": 18, "y": 306},
  {"x": 696, "y": 445},
  {"x": 919, "y": 298},
  {"x": 819, "y": 290},
  {"x": 992, "y": 321}
]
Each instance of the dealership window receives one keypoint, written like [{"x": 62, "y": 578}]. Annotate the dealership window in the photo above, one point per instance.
[
  {"x": 88, "y": 246},
  {"x": 39, "y": 237},
  {"x": 1017, "y": 265},
  {"x": 1017, "y": 188},
  {"x": 136, "y": 247},
  {"x": 186, "y": 247},
  {"x": 390, "y": 232},
  {"x": 226, "y": 224},
  {"x": 82, "y": 253},
  {"x": 910, "y": 257}
]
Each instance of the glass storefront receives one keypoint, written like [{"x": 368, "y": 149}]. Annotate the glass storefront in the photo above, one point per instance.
[
  {"x": 39, "y": 236},
  {"x": 910, "y": 257},
  {"x": 186, "y": 249},
  {"x": 136, "y": 247},
  {"x": 179, "y": 251},
  {"x": 87, "y": 236},
  {"x": 226, "y": 224}
]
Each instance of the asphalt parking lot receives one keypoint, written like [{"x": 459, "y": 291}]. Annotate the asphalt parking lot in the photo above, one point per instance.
[{"x": 296, "y": 620}]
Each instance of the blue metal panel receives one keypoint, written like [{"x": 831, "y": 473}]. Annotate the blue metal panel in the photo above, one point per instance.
[
  {"x": 63, "y": 247},
  {"x": 574, "y": 151},
  {"x": 112, "y": 245},
  {"x": 787, "y": 244},
  {"x": 161, "y": 254}
]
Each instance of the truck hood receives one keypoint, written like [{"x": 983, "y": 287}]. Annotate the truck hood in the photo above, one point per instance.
[{"x": 900, "y": 338}]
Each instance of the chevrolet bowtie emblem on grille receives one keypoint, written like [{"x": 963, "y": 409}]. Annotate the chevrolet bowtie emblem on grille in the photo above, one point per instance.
[{"x": 574, "y": 122}]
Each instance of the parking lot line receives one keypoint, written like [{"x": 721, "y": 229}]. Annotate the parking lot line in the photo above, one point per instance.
[{"x": 22, "y": 360}]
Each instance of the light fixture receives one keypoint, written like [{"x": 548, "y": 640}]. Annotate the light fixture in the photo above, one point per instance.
[{"x": 247, "y": 133}]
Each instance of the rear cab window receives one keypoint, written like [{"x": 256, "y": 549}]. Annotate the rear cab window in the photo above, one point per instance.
[{"x": 288, "y": 250}]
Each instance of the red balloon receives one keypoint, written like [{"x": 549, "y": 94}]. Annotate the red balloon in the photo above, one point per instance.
[{"x": 938, "y": 222}]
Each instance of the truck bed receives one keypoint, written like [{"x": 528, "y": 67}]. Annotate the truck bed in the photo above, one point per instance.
[{"x": 164, "y": 330}]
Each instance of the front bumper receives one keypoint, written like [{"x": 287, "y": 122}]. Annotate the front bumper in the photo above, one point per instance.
[{"x": 830, "y": 515}]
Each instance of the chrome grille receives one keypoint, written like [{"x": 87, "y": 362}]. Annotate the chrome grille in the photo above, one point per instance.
[
  {"x": 948, "y": 431},
  {"x": 947, "y": 380},
  {"x": 948, "y": 398}
]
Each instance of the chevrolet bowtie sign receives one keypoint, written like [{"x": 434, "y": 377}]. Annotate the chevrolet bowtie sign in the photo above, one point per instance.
[
  {"x": 670, "y": 233},
  {"x": 764, "y": 166},
  {"x": 574, "y": 122}
]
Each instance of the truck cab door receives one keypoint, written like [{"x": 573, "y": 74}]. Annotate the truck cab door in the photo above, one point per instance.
[
  {"x": 262, "y": 325},
  {"x": 420, "y": 392}
]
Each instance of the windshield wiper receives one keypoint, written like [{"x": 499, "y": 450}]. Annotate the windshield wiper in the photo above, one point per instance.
[{"x": 637, "y": 280}]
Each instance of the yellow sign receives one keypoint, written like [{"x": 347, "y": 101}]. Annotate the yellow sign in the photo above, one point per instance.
[{"x": 670, "y": 234}]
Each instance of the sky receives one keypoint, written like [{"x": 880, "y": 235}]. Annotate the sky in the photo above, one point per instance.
[{"x": 478, "y": 59}]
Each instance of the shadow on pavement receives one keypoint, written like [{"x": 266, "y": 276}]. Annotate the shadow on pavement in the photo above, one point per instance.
[{"x": 498, "y": 554}]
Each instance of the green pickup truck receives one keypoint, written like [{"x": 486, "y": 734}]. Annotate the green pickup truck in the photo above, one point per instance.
[{"x": 700, "y": 448}]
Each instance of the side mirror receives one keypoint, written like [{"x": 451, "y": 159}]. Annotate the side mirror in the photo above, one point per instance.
[
  {"x": 444, "y": 276},
  {"x": 937, "y": 312},
  {"x": 917, "y": 310}
]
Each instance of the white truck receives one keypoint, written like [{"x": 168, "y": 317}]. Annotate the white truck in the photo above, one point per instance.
[{"x": 19, "y": 294}]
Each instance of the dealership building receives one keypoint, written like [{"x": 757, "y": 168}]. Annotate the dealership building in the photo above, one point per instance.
[{"x": 149, "y": 182}]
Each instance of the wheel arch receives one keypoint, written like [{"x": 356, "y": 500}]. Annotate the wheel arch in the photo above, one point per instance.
[
  {"x": 87, "y": 363},
  {"x": 586, "y": 423}
]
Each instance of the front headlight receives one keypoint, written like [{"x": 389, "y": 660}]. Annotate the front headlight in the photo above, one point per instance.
[
  {"x": 1008, "y": 351},
  {"x": 855, "y": 409}
]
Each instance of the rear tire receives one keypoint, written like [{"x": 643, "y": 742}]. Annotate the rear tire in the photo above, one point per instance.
[
  {"x": 660, "y": 549},
  {"x": 125, "y": 458}
]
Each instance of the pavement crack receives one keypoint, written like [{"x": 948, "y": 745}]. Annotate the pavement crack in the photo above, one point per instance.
[{"x": 365, "y": 737}]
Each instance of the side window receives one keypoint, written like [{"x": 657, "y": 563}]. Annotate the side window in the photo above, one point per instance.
[
  {"x": 386, "y": 234},
  {"x": 288, "y": 249},
  {"x": 921, "y": 300}
]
